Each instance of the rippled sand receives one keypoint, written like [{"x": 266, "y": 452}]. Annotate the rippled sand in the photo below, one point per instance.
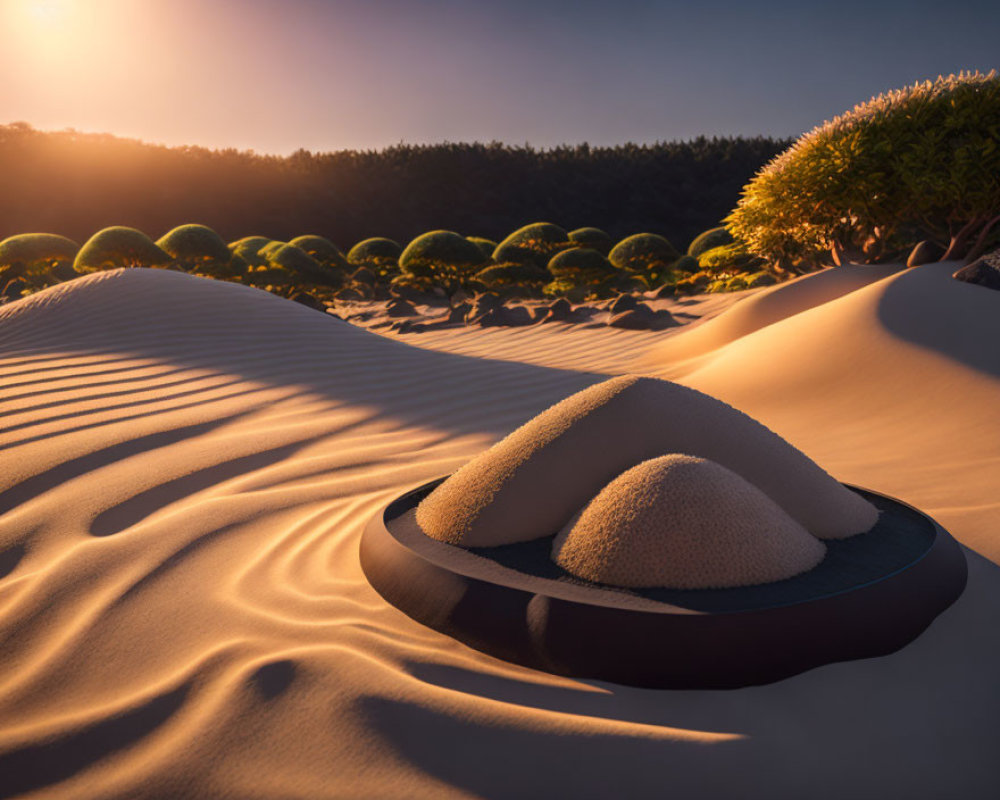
[{"x": 187, "y": 466}]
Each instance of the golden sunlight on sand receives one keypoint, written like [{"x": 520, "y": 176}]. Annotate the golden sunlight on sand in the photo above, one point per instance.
[{"x": 189, "y": 464}]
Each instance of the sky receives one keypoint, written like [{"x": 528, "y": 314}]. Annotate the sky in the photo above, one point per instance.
[{"x": 278, "y": 75}]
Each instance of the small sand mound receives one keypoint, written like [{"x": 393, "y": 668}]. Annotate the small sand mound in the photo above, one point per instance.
[
  {"x": 531, "y": 483},
  {"x": 684, "y": 523}
]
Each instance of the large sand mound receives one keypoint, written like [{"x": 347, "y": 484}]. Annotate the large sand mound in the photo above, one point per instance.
[
  {"x": 684, "y": 523},
  {"x": 530, "y": 484},
  {"x": 187, "y": 469},
  {"x": 769, "y": 306}
]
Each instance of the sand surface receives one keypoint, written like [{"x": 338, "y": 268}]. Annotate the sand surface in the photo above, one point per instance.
[{"x": 188, "y": 465}]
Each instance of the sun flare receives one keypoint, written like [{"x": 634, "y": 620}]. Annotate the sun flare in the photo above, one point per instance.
[{"x": 46, "y": 11}]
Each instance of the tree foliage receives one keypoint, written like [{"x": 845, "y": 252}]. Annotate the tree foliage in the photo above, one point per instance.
[
  {"x": 486, "y": 245},
  {"x": 594, "y": 238},
  {"x": 647, "y": 255},
  {"x": 197, "y": 248},
  {"x": 512, "y": 274},
  {"x": 75, "y": 183},
  {"x": 532, "y": 244},
  {"x": 443, "y": 255},
  {"x": 119, "y": 246},
  {"x": 713, "y": 237},
  {"x": 378, "y": 254},
  {"x": 37, "y": 252},
  {"x": 913, "y": 164},
  {"x": 322, "y": 250}
]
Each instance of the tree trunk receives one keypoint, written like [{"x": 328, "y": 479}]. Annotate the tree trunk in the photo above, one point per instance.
[
  {"x": 956, "y": 247},
  {"x": 980, "y": 244}
]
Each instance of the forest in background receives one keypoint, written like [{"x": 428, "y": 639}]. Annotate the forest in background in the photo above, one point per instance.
[{"x": 74, "y": 183}]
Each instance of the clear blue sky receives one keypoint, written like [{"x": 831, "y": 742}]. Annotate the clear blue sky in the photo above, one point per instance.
[{"x": 276, "y": 75}]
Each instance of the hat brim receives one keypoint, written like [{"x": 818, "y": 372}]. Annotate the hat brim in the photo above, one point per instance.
[{"x": 872, "y": 595}]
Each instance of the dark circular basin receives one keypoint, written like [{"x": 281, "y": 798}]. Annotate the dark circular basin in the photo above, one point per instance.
[{"x": 871, "y": 595}]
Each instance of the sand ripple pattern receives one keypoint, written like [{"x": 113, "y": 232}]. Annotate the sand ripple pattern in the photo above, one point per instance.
[{"x": 187, "y": 467}]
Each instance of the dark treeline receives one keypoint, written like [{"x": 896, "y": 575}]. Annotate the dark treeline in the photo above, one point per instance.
[{"x": 74, "y": 184}]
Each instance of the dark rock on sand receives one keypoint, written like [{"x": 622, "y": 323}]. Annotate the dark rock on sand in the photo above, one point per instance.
[
  {"x": 664, "y": 292},
  {"x": 309, "y": 300},
  {"x": 503, "y": 316},
  {"x": 983, "y": 271},
  {"x": 483, "y": 304},
  {"x": 557, "y": 311},
  {"x": 643, "y": 318},
  {"x": 400, "y": 308},
  {"x": 624, "y": 302},
  {"x": 924, "y": 253},
  {"x": 459, "y": 312}
]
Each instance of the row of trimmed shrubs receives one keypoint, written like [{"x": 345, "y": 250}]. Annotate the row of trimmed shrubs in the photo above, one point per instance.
[{"x": 540, "y": 259}]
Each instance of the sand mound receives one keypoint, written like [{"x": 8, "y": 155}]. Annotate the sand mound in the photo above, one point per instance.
[
  {"x": 769, "y": 306},
  {"x": 684, "y": 523},
  {"x": 189, "y": 465},
  {"x": 531, "y": 483}
]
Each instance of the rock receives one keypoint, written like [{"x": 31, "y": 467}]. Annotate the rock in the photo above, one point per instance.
[
  {"x": 459, "y": 313},
  {"x": 924, "y": 253},
  {"x": 624, "y": 302},
  {"x": 642, "y": 318},
  {"x": 519, "y": 316},
  {"x": 662, "y": 319},
  {"x": 557, "y": 311},
  {"x": 400, "y": 308},
  {"x": 665, "y": 291},
  {"x": 485, "y": 303},
  {"x": 983, "y": 271},
  {"x": 349, "y": 296},
  {"x": 460, "y": 297},
  {"x": 633, "y": 320},
  {"x": 502, "y": 316},
  {"x": 309, "y": 300}
]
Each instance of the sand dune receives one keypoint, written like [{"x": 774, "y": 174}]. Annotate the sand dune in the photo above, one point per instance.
[{"x": 187, "y": 466}]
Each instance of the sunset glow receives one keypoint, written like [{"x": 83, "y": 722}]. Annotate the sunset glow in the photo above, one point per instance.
[{"x": 275, "y": 76}]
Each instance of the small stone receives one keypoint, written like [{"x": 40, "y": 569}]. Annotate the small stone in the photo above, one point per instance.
[
  {"x": 924, "y": 253},
  {"x": 400, "y": 308}
]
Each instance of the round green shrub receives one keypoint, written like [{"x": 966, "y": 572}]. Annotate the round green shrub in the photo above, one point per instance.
[
  {"x": 378, "y": 254},
  {"x": 685, "y": 264},
  {"x": 593, "y": 238},
  {"x": 322, "y": 250},
  {"x": 759, "y": 279},
  {"x": 513, "y": 275},
  {"x": 487, "y": 246},
  {"x": 248, "y": 248},
  {"x": 643, "y": 253},
  {"x": 301, "y": 266},
  {"x": 713, "y": 237},
  {"x": 913, "y": 164},
  {"x": 38, "y": 253},
  {"x": 191, "y": 246},
  {"x": 532, "y": 244},
  {"x": 270, "y": 249},
  {"x": 119, "y": 246},
  {"x": 442, "y": 255},
  {"x": 728, "y": 258},
  {"x": 581, "y": 266},
  {"x": 693, "y": 283}
]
